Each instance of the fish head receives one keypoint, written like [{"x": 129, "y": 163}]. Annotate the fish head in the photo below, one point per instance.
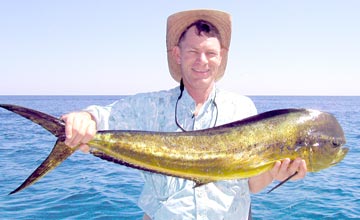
[
  {"x": 323, "y": 142},
  {"x": 326, "y": 155}
]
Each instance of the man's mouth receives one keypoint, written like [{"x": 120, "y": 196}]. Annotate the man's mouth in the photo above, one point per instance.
[{"x": 201, "y": 71}]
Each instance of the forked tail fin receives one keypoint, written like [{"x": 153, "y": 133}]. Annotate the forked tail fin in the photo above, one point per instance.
[
  {"x": 54, "y": 125},
  {"x": 60, "y": 151}
]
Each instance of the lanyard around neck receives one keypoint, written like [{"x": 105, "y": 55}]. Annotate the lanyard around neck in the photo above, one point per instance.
[{"x": 182, "y": 87}]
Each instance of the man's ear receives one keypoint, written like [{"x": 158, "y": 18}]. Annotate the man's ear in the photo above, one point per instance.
[
  {"x": 222, "y": 53},
  {"x": 176, "y": 54}
]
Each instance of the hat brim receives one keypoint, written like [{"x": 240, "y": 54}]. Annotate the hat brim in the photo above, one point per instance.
[{"x": 178, "y": 22}]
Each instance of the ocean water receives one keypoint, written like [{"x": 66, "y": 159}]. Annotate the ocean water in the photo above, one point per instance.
[{"x": 85, "y": 187}]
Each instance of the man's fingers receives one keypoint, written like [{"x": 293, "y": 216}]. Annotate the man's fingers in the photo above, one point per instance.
[
  {"x": 299, "y": 166},
  {"x": 275, "y": 170},
  {"x": 79, "y": 128},
  {"x": 68, "y": 126},
  {"x": 90, "y": 132},
  {"x": 84, "y": 148},
  {"x": 294, "y": 166},
  {"x": 288, "y": 168},
  {"x": 285, "y": 166}
]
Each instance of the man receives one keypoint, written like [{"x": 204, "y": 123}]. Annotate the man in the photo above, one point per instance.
[{"x": 197, "y": 43}]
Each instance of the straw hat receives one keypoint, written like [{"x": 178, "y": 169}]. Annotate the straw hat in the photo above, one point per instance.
[{"x": 178, "y": 22}]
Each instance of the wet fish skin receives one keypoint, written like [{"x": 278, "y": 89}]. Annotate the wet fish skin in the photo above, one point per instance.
[{"x": 236, "y": 150}]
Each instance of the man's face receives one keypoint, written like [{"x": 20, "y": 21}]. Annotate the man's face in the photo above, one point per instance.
[{"x": 199, "y": 58}]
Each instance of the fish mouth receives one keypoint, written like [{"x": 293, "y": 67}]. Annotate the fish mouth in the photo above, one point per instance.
[{"x": 340, "y": 155}]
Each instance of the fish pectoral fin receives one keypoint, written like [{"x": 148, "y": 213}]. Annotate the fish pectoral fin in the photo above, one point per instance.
[{"x": 58, "y": 154}]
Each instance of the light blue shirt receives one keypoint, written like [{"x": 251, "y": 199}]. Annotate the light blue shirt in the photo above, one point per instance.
[{"x": 165, "y": 197}]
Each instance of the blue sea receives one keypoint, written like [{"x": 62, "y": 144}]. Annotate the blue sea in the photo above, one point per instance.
[{"x": 85, "y": 187}]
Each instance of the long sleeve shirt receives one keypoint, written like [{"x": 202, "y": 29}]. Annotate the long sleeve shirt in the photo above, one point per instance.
[{"x": 166, "y": 197}]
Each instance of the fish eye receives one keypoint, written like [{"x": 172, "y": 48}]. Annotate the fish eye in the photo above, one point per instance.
[{"x": 336, "y": 143}]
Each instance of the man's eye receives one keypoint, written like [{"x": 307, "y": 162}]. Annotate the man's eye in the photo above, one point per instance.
[{"x": 212, "y": 54}]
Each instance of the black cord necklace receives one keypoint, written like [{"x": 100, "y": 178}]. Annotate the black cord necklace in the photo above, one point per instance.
[{"x": 182, "y": 87}]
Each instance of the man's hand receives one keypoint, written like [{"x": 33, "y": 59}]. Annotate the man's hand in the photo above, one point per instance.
[
  {"x": 286, "y": 168},
  {"x": 80, "y": 128},
  {"x": 280, "y": 171}
]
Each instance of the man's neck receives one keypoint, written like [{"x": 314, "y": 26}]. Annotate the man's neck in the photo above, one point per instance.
[{"x": 200, "y": 96}]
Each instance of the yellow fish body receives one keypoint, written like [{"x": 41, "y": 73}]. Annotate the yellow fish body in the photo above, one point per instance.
[{"x": 240, "y": 149}]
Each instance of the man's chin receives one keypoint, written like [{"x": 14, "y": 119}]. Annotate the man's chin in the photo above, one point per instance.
[{"x": 202, "y": 83}]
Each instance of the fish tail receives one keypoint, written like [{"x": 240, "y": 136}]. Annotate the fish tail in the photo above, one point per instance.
[
  {"x": 58, "y": 154},
  {"x": 54, "y": 125},
  {"x": 60, "y": 151}
]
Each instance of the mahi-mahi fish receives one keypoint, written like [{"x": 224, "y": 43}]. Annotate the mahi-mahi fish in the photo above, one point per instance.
[{"x": 236, "y": 150}]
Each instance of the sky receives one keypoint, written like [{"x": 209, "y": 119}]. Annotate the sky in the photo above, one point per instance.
[{"x": 88, "y": 47}]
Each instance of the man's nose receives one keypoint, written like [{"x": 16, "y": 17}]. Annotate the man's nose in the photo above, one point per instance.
[{"x": 203, "y": 58}]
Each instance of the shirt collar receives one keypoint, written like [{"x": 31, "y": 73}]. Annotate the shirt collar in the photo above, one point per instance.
[
  {"x": 186, "y": 107},
  {"x": 189, "y": 102}
]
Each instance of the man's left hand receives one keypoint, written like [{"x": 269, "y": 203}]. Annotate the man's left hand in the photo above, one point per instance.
[{"x": 284, "y": 169}]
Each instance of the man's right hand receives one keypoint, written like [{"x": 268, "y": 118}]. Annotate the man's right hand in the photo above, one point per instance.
[{"x": 80, "y": 128}]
